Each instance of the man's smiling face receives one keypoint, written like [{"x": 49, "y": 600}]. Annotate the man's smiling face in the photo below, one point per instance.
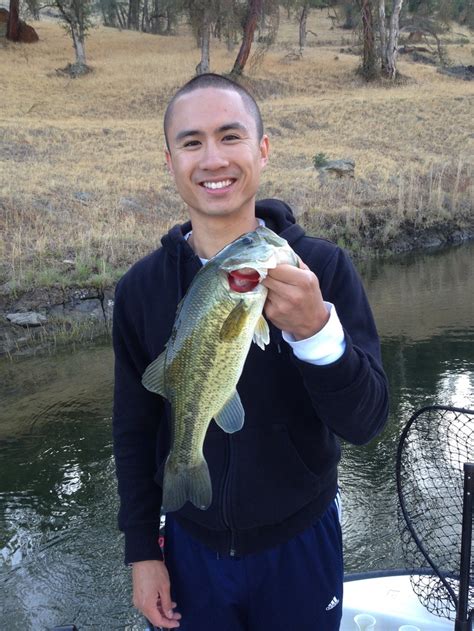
[{"x": 214, "y": 152}]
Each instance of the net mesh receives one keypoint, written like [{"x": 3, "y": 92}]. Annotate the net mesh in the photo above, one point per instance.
[{"x": 433, "y": 448}]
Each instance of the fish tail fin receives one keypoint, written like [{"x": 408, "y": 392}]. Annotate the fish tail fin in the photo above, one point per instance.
[{"x": 183, "y": 482}]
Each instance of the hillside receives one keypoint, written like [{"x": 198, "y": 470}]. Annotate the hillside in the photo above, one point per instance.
[{"x": 83, "y": 185}]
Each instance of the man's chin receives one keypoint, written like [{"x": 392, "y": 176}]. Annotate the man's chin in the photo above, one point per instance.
[{"x": 218, "y": 209}]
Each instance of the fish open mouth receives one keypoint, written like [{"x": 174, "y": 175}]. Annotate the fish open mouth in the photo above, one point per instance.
[{"x": 243, "y": 280}]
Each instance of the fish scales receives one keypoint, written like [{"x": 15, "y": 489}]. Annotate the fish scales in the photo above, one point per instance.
[
  {"x": 204, "y": 358},
  {"x": 201, "y": 363}
]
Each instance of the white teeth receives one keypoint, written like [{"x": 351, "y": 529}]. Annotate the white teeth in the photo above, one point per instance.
[{"x": 215, "y": 185}]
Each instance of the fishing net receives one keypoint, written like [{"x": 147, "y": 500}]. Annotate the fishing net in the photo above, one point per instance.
[{"x": 433, "y": 448}]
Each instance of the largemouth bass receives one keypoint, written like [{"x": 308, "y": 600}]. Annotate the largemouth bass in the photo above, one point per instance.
[{"x": 199, "y": 369}]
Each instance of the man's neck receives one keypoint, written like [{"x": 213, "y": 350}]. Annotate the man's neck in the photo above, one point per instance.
[{"x": 208, "y": 237}]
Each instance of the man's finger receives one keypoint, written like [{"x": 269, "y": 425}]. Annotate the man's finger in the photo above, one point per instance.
[
  {"x": 302, "y": 264},
  {"x": 166, "y": 605},
  {"x": 291, "y": 287},
  {"x": 289, "y": 275},
  {"x": 158, "y": 619}
]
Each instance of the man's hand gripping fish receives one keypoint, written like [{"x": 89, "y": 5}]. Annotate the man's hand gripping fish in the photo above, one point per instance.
[{"x": 219, "y": 316}]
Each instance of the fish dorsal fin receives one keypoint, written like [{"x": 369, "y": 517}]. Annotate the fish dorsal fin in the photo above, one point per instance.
[
  {"x": 234, "y": 322},
  {"x": 154, "y": 376},
  {"x": 231, "y": 417},
  {"x": 261, "y": 335}
]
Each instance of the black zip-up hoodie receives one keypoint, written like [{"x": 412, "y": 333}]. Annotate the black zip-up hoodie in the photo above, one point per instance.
[{"x": 278, "y": 474}]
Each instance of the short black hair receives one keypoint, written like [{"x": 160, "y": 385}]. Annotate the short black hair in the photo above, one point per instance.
[{"x": 212, "y": 80}]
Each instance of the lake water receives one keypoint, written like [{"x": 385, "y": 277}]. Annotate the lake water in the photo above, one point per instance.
[{"x": 60, "y": 552}]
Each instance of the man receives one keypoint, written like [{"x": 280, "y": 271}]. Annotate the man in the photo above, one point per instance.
[{"x": 267, "y": 553}]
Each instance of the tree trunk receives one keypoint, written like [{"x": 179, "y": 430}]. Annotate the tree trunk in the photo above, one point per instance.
[
  {"x": 145, "y": 18},
  {"x": 392, "y": 44},
  {"x": 155, "y": 17},
  {"x": 254, "y": 11},
  {"x": 218, "y": 27},
  {"x": 369, "y": 68},
  {"x": 133, "y": 21},
  {"x": 383, "y": 35},
  {"x": 13, "y": 26},
  {"x": 105, "y": 19},
  {"x": 205, "y": 36},
  {"x": 34, "y": 9},
  {"x": 302, "y": 28},
  {"x": 169, "y": 22},
  {"x": 121, "y": 17},
  {"x": 79, "y": 48}
]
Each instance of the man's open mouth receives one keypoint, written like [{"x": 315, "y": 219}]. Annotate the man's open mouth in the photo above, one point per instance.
[
  {"x": 242, "y": 281},
  {"x": 216, "y": 185}
]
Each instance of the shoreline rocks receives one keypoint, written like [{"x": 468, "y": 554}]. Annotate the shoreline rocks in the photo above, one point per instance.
[{"x": 39, "y": 319}]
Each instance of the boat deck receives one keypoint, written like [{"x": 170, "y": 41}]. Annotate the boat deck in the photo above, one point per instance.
[{"x": 390, "y": 599}]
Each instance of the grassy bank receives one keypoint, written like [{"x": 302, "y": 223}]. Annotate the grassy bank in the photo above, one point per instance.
[{"x": 83, "y": 185}]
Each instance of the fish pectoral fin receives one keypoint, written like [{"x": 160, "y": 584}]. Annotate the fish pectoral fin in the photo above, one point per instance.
[
  {"x": 261, "y": 335},
  {"x": 154, "y": 376},
  {"x": 231, "y": 417},
  {"x": 234, "y": 322},
  {"x": 183, "y": 482}
]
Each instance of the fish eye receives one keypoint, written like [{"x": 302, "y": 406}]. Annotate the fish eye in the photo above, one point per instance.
[{"x": 247, "y": 241}]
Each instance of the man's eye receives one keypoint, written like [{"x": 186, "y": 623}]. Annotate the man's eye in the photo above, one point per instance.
[
  {"x": 231, "y": 137},
  {"x": 191, "y": 143}
]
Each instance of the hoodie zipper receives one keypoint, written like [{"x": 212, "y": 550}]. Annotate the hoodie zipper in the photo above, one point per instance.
[{"x": 226, "y": 496}]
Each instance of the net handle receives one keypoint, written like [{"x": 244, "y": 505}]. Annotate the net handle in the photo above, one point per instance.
[
  {"x": 463, "y": 616},
  {"x": 398, "y": 468}
]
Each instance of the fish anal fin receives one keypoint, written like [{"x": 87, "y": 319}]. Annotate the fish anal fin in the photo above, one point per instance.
[
  {"x": 231, "y": 417},
  {"x": 234, "y": 322},
  {"x": 154, "y": 376},
  {"x": 184, "y": 483},
  {"x": 261, "y": 335}
]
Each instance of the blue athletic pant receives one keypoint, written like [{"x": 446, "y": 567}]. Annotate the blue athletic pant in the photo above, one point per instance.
[{"x": 295, "y": 586}]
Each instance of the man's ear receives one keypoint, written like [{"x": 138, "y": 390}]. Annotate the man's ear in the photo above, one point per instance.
[
  {"x": 168, "y": 160},
  {"x": 264, "y": 150}
]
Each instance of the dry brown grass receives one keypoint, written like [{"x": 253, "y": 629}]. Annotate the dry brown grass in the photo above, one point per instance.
[{"x": 82, "y": 174}]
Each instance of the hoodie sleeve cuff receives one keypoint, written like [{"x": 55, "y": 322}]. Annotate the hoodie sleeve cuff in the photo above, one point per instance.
[
  {"x": 324, "y": 347},
  {"x": 142, "y": 544},
  {"x": 340, "y": 376}
]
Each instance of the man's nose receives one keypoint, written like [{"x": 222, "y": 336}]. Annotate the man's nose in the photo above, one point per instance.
[{"x": 213, "y": 157}]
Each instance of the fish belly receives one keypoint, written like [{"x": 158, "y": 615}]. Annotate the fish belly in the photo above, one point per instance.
[{"x": 202, "y": 377}]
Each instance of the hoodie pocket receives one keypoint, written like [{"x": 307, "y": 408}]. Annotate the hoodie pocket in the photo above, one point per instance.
[{"x": 270, "y": 481}]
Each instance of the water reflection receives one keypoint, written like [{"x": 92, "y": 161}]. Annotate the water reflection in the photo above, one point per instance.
[
  {"x": 60, "y": 559},
  {"x": 424, "y": 309},
  {"x": 60, "y": 553}
]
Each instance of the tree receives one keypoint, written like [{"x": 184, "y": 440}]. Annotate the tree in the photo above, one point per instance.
[
  {"x": 230, "y": 21},
  {"x": 254, "y": 11},
  {"x": 76, "y": 15},
  {"x": 33, "y": 9},
  {"x": 155, "y": 16},
  {"x": 383, "y": 62},
  {"x": 133, "y": 21},
  {"x": 369, "y": 69},
  {"x": 165, "y": 15},
  {"x": 112, "y": 13},
  {"x": 389, "y": 40},
  {"x": 205, "y": 40},
  {"x": 13, "y": 26},
  {"x": 300, "y": 10},
  {"x": 201, "y": 14},
  {"x": 303, "y": 18}
]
